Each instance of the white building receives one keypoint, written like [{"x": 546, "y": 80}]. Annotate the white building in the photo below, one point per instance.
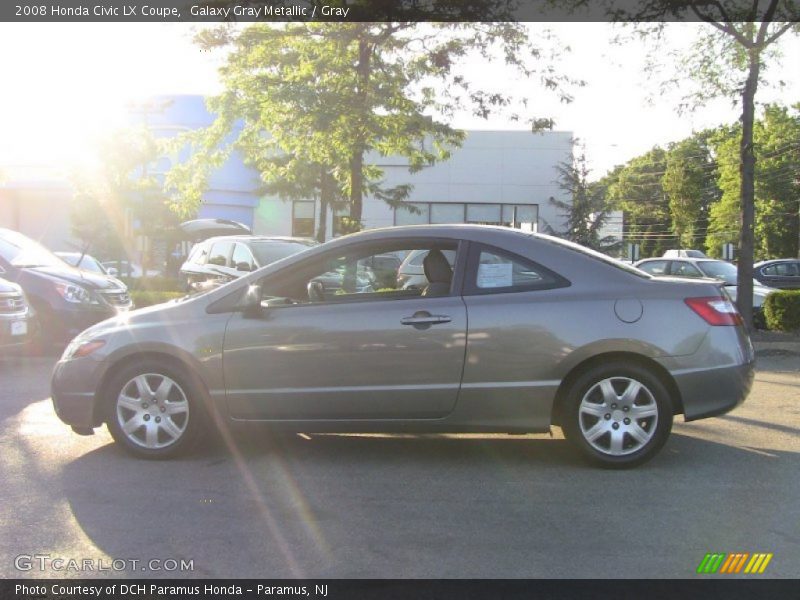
[{"x": 496, "y": 177}]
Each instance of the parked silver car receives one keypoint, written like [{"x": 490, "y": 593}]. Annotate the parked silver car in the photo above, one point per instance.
[
  {"x": 714, "y": 269},
  {"x": 523, "y": 332}
]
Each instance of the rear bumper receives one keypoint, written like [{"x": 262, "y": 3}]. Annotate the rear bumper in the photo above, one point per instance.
[
  {"x": 718, "y": 376},
  {"x": 711, "y": 392}
]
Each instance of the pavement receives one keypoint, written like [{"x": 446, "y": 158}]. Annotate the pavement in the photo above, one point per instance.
[{"x": 337, "y": 506}]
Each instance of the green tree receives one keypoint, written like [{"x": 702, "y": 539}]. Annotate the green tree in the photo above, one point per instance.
[
  {"x": 729, "y": 59},
  {"x": 689, "y": 183},
  {"x": 777, "y": 191},
  {"x": 586, "y": 212},
  {"x": 329, "y": 95},
  {"x": 636, "y": 189},
  {"x": 122, "y": 193}
]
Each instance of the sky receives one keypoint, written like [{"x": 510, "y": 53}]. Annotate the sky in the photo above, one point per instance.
[{"x": 66, "y": 84}]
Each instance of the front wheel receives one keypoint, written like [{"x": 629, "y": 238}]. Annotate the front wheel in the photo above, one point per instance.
[
  {"x": 153, "y": 411},
  {"x": 617, "y": 415}
]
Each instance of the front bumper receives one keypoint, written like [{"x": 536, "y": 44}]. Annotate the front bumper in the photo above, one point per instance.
[
  {"x": 17, "y": 330},
  {"x": 74, "y": 387}
]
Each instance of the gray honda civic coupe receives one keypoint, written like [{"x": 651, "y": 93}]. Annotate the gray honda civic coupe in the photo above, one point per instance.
[{"x": 517, "y": 333}]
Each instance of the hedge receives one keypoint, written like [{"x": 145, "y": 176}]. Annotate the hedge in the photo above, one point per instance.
[
  {"x": 143, "y": 298},
  {"x": 782, "y": 310}
]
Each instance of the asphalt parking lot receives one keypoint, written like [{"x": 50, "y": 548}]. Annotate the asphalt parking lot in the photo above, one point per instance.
[{"x": 334, "y": 506}]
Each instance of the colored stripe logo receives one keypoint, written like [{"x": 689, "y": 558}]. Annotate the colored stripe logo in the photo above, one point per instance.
[{"x": 734, "y": 563}]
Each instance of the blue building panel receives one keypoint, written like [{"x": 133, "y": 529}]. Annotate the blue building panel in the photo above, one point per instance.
[{"x": 233, "y": 188}]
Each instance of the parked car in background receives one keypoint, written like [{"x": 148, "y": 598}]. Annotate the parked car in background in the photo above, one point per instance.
[
  {"x": 782, "y": 273},
  {"x": 684, "y": 254},
  {"x": 710, "y": 268},
  {"x": 523, "y": 331},
  {"x": 126, "y": 268},
  {"x": 17, "y": 324},
  {"x": 66, "y": 300},
  {"x": 411, "y": 274},
  {"x": 86, "y": 262},
  {"x": 221, "y": 259}
]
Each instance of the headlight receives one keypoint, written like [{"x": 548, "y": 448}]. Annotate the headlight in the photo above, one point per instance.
[
  {"x": 75, "y": 293},
  {"x": 79, "y": 348}
]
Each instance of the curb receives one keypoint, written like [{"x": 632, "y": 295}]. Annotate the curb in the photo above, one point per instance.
[{"x": 777, "y": 348}]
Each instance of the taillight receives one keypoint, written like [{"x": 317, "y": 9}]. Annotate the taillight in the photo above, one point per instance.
[{"x": 715, "y": 310}]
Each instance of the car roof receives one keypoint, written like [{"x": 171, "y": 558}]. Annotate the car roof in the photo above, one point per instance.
[
  {"x": 679, "y": 258},
  {"x": 258, "y": 238},
  {"x": 775, "y": 261},
  {"x": 69, "y": 253}
]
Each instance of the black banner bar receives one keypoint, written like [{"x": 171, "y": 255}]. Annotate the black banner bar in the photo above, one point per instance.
[
  {"x": 341, "y": 589},
  {"x": 206, "y": 11}
]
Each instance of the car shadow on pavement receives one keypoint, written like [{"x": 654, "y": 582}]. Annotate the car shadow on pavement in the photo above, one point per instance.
[{"x": 339, "y": 505}]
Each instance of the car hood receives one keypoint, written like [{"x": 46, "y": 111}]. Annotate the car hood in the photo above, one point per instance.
[
  {"x": 7, "y": 286},
  {"x": 94, "y": 281}
]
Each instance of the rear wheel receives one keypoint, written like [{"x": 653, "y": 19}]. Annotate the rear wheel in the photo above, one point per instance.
[
  {"x": 617, "y": 415},
  {"x": 153, "y": 410}
]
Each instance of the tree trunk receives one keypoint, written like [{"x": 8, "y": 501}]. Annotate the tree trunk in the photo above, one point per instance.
[
  {"x": 363, "y": 68},
  {"x": 325, "y": 197},
  {"x": 747, "y": 166},
  {"x": 356, "y": 185}
]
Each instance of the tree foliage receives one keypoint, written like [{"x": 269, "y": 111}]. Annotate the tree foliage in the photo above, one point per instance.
[
  {"x": 729, "y": 59},
  {"x": 636, "y": 189},
  {"x": 323, "y": 98},
  {"x": 690, "y": 188},
  {"x": 586, "y": 211},
  {"x": 776, "y": 138},
  {"x": 122, "y": 193}
]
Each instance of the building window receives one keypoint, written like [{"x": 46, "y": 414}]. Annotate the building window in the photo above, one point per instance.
[
  {"x": 518, "y": 216},
  {"x": 302, "y": 218},
  {"x": 407, "y": 217},
  {"x": 447, "y": 213},
  {"x": 484, "y": 214},
  {"x": 521, "y": 216}
]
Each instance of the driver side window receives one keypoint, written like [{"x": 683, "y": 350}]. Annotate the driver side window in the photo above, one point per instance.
[{"x": 385, "y": 272}]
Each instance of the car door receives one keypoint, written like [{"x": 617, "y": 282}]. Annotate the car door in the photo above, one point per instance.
[
  {"x": 351, "y": 353},
  {"x": 516, "y": 309},
  {"x": 784, "y": 275}
]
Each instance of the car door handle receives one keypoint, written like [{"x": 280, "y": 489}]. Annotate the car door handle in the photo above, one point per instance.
[{"x": 425, "y": 319}]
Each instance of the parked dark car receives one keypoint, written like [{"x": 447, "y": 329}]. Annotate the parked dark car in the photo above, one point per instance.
[
  {"x": 523, "y": 331},
  {"x": 17, "y": 323},
  {"x": 221, "y": 259},
  {"x": 782, "y": 273},
  {"x": 66, "y": 300},
  {"x": 85, "y": 262}
]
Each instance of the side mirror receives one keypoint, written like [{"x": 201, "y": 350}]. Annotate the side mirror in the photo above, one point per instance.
[
  {"x": 251, "y": 301},
  {"x": 112, "y": 271},
  {"x": 316, "y": 291},
  {"x": 244, "y": 266}
]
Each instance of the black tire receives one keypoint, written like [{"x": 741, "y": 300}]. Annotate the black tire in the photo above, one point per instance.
[
  {"x": 610, "y": 421},
  {"x": 177, "y": 430}
]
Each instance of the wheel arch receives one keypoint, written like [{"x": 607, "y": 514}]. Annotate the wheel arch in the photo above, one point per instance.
[
  {"x": 630, "y": 357},
  {"x": 183, "y": 366}
]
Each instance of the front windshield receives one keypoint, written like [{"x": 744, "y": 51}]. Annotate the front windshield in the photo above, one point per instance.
[
  {"x": 719, "y": 270},
  {"x": 90, "y": 263},
  {"x": 269, "y": 252},
  {"x": 21, "y": 251}
]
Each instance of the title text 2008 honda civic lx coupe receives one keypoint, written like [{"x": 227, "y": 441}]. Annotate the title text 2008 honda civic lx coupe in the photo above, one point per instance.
[{"x": 522, "y": 331}]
